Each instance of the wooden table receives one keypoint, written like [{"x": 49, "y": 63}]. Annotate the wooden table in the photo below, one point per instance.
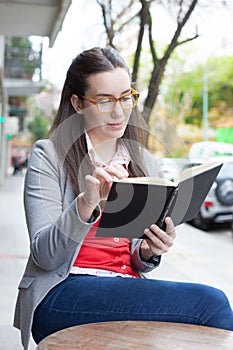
[{"x": 138, "y": 335}]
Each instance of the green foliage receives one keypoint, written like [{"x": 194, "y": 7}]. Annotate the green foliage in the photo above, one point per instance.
[
  {"x": 20, "y": 42},
  {"x": 39, "y": 126},
  {"x": 22, "y": 59},
  {"x": 219, "y": 75}
]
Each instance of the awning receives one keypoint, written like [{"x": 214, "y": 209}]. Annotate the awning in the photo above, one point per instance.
[{"x": 37, "y": 17}]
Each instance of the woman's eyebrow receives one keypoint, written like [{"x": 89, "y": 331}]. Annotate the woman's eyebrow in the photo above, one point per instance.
[{"x": 110, "y": 95}]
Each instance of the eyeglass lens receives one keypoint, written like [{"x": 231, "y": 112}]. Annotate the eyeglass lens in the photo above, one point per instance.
[{"x": 108, "y": 105}]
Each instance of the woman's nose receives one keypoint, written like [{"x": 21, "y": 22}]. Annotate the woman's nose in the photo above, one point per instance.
[{"x": 118, "y": 111}]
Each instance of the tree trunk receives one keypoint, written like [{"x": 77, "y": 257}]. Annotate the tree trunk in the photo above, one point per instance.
[
  {"x": 153, "y": 89},
  {"x": 143, "y": 16},
  {"x": 160, "y": 64}
]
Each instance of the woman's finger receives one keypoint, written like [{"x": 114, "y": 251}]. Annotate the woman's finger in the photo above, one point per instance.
[
  {"x": 122, "y": 169},
  {"x": 101, "y": 174},
  {"x": 161, "y": 235},
  {"x": 91, "y": 180},
  {"x": 116, "y": 171},
  {"x": 170, "y": 227},
  {"x": 157, "y": 245}
]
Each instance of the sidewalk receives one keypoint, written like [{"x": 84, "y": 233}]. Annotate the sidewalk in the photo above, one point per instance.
[
  {"x": 200, "y": 257},
  {"x": 14, "y": 248},
  {"x": 197, "y": 256}
]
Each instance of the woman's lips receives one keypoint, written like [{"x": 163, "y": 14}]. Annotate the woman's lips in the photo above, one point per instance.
[{"x": 115, "y": 125}]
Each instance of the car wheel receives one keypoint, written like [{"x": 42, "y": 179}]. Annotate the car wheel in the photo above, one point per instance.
[
  {"x": 201, "y": 223},
  {"x": 224, "y": 191}
]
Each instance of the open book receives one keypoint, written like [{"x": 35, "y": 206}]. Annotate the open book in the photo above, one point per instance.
[{"x": 134, "y": 204}]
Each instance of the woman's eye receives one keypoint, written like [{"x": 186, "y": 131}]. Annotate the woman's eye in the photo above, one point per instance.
[
  {"x": 103, "y": 102},
  {"x": 126, "y": 98}
]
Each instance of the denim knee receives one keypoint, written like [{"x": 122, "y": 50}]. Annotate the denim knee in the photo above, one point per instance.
[{"x": 219, "y": 314}]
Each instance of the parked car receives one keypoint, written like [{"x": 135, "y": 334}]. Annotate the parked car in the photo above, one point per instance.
[
  {"x": 168, "y": 168},
  {"x": 210, "y": 149},
  {"x": 218, "y": 205}
]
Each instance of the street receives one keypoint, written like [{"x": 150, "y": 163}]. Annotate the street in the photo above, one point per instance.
[
  {"x": 202, "y": 257},
  {"x": 197, "y": 256},
  {"x": 14, "y": 249}
]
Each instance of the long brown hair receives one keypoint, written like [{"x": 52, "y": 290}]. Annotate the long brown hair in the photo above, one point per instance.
[{"x": 67, "y": 130}]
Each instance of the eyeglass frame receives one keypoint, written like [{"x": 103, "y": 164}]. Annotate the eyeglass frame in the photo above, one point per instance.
[{"x": 95, "y": 102}]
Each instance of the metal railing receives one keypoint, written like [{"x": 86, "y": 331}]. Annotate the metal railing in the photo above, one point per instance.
[{"x": 23, "y": 63}]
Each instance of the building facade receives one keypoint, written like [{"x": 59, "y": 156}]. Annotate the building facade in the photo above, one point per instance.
[{"x": 22, "y": 19}]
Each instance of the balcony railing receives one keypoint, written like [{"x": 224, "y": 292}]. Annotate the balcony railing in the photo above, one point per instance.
[{"x": 22, "y": 63}]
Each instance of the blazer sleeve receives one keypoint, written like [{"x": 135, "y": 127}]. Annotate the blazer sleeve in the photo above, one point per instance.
[
  {"x": 137, "y": 263},
  {"x": 55, "y": 232}
]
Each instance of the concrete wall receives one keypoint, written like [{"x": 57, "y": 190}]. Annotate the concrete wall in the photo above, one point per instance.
[{"x": 3, "y": 113}]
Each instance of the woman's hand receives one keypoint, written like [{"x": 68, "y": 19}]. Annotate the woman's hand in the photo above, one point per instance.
[
  {"x": 98, "y": 185},
  {"x": 158, "y": 241},
  {"x": 97, "y": 188}
]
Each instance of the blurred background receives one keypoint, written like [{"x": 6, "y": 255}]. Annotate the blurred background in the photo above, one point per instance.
[{"x": 180, "y": 54}]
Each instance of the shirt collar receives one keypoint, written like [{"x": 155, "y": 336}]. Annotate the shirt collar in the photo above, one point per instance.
[{"x": 121, "y": 155}]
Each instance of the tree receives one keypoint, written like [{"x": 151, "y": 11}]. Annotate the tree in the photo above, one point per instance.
[
  {"x": 184, "y": 10},
  {"x": 39, "y": 126},
  {"x": 181, "y": 10},
  {"x": 21, "y": 60},
  {"x": 220, "y": 91},
  {"x": 116, "y": 16}
]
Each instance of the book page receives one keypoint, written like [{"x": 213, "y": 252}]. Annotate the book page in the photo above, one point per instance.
[
  {"x": 191, "y": 172},
  {"x": 147, "y": 179}
]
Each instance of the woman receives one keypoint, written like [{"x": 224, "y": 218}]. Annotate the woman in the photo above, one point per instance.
[{"x": 73, "y": 277}]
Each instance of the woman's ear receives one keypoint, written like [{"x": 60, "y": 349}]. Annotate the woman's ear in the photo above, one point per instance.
[{"x": 76, "y": 103}]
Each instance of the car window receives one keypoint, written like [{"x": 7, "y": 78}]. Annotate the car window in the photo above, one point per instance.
[{"x": 226, "y": 170}]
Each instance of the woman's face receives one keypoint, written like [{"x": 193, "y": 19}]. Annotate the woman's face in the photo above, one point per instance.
[{"x": 111, "y": 125}]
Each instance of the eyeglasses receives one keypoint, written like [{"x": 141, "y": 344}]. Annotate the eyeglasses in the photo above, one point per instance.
[{"x": 108, "y": 105}]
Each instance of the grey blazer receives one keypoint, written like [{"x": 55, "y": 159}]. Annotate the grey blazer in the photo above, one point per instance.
[{"x": 56, "y": 231}]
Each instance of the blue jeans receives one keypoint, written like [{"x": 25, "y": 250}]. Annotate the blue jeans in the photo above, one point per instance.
[{"x": 85, "y": 299}]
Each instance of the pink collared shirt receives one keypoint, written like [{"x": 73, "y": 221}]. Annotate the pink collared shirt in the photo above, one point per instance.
[
  {"x": 105, "y": 256},
  {"x": 120, "y": 157}
]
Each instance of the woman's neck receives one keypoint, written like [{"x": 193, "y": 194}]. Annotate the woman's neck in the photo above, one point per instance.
[{"x": 106, "y": 150}]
